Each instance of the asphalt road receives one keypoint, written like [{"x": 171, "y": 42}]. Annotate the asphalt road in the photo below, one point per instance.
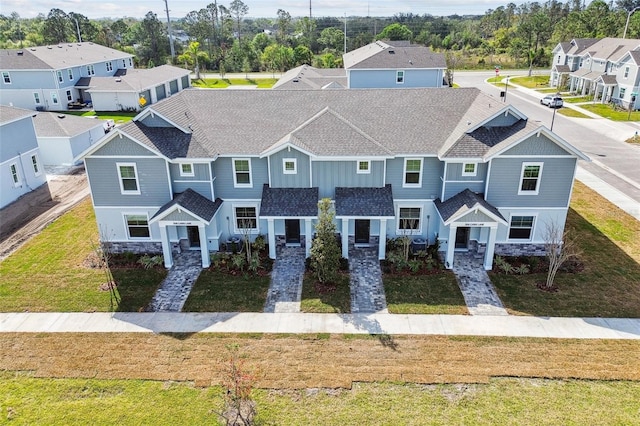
[{"x": 613, "y": 160}]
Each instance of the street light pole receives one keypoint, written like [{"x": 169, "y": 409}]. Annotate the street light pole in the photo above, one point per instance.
[
  {"x": 506, "y": 85},
  {"x": 626, "y": 26},
  {"x": 553, "y": 118}
]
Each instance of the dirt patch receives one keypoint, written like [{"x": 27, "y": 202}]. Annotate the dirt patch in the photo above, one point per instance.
[
  {"x": 302, "y": 362},
  {"x": 30, "y": 213}
]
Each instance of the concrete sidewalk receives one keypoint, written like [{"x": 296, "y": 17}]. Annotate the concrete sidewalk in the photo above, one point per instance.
[{"x": 393, "y": 324}]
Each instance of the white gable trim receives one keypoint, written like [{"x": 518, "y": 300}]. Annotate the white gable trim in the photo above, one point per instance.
[
  {"x": 150, "y": 111},
  {"x": 180, "y": 209},
  {"x": 509, "y": 109},
  {"x": 109, "y": 137},
  {"x": 480, "y": 208}
]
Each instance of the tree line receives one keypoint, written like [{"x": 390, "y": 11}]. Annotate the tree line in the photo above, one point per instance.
[{"x": 223, "y": 37}]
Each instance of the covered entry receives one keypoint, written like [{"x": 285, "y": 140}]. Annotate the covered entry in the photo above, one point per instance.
[
  {"x": 288, "y": 208},
  {"x": 188, "y": 210},
  {"x": 468, "y": 215}
]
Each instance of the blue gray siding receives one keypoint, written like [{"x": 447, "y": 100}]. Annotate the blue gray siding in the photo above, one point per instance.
[
  {"x": 105, "y": 186},
  {"x": 153, "y": 120},
  {"x": 200, "y": 172},
  {"x": 17, "y": 137},
  {"x": 202, "y": 188},
  {"x": 555, "y": 185},
  {"x": 454, "y": 172},
  {"x": 299, "y": 180},
  {"x": 432, "y": 170},
  {"x": 453, "y": 188},
  {"x": 536, "y": 145},
  {"x": 122, "y": 147},
  {"x": 223, "y": 185},
  {"x": 503, "y": 120},
  {"x": 327, "y": 175},
  {"x": 387, "y": 78}
]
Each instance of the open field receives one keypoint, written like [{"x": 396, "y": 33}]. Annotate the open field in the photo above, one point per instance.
[{"x": 501, "y": 401}]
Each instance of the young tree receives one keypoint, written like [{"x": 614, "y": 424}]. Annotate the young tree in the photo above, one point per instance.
[
  {"x": 238, "y": 9},
  {"x": 283, "y": 22},
  {"x": 395, "y": 32},
  {"x": 332, "y": 38},
  {"x": 57, "y": 27},
  {"x": 559, "y": 248},
  {"x": 325, "y": 253}
]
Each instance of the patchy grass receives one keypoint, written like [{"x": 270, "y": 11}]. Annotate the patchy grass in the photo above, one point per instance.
[
  {"x": 547, "y": 90},
  {"x": 326, "y": 299},
  {"x": 424, "y": 294},
  {"x": 30, "y": 400},
  {"x": 117, "y": 117},
  {"x": 216, "y": 291},
  {"x": 578, "y": 99},
  {"x": 223, "y": 83},
  {"x": 609, "y": 241},
  {"x": 533, "y": 82},
  {"x": 635, "y": 139},
  {"x": 569, "y": 112},
  {"x": 499, "y": 82},
  {"x": 607, "y": 111},
  {"x": 48, "y": 273}
]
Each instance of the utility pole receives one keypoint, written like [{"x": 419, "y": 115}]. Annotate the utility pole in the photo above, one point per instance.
[
  {"x": 173, "y": 50},
  {"x": 310, "y": 10},
  {"x": 345, "y": 32},
  {"x": 624, "y": 35},
  {"x": 78, "y": 29}
]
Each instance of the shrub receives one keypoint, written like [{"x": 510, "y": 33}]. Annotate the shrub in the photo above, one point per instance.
[
  {"x": 523, "y": 269},
  {"x": 150, "y": 261},
  {"x": 260, "y": 243},
  {"x": 239, "y": 261},
  {"x": 503, "y": 265},
  {"x": 254, "y": 262}
]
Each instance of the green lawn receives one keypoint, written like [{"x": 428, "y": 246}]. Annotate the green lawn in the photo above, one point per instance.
[
  {"x": 28, "y": 400},
  {"x": 609, "y": 242},
  {"x": 326, "y": 299},
  {"x": 117, "y": 117},
  {"x": 216, "y": 291},
  {"x": 533, "y": 82},
  {"x": 48, "y": 274},
  {"x": 218, "y": 83},
  {"x": 568, "y": 112},
  {"x": 607, "y": 111},
  {"x": 578, "y": 99},
  {"x": 424, "y": 294}
]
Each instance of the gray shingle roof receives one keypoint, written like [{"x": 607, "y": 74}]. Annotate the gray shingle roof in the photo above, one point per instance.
[
  {"x": 135, "y": 80},
  {"x": 64, "y": 55},
  {"x": 480, "y": 142},
  {"x": 9, "y": 114},
  {"x": 195, "y": 203},
  {"x": 289, "y": 202},
  {"x": 306, "y": 77},
  {"x": 50, "y": 124},
  {"x": 365, "y": 202},
  {"x": 562, "y": 68},
  {"x": 386, "y": 56},
  {"x": 401, "y": 122},
  {"x": 463, "y": 202},
  {"x": 612, "y": 49},
  {"x": 635, "y": 54},
  {"x": 169, "y": 141},
  {"x": 608, "y": 79}
]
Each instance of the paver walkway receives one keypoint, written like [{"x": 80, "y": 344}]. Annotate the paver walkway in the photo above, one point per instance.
[
  {"x": 175, "y": 288},
  {"x": 367, "y": 291},
  {"x": 285, "y": 288},
  {"x": 479, "y": 293}
]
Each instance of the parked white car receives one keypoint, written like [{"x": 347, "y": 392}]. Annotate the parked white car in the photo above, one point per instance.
[{"x": 552, "y": 101}]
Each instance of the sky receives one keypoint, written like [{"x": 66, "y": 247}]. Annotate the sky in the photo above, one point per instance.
[{"x": 95, "y": 9}]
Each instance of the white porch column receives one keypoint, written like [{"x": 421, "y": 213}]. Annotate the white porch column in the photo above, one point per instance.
[
  {"x": 382, "y": 243},
  {"x": 345, "y": 238},
  {"x": 204, "y": 246},
  {"x": 166, "y": 247},
  {"x": 271, "y": 229},
  {"x": 451, "y": 245},
  {"x": 491, "y": 246},
  {"x": 307, "y": 237}
]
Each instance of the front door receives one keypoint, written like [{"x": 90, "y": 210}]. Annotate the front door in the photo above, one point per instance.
[
  {"x": 362, "y": 231},
  {"x": 194, "y": 236},
  {"x": 292, "y": 231},
  {"x": 462, "y": 237}
]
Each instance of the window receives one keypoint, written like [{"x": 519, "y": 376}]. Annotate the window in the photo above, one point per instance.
[
  {"x": 54, "y": 98},
  {"x": 521, "y": 227},
  {"x": 130, "y": 62},
  {"x": 69, "y": 96},
  {"x": 558, "y": 60},
  {"x": 109, "y": 66},
  {"x": 35, "y": 164},
  {"x": 364, "y": 167},
  {"x": 14, "y": 174},
  {"x": 70, "y": 74},
  {"x": 60, "y": 78},
  {"x": 128, "y": 178},
  {"x": 626, "y": 72},
  {"x": 623, "y": 90},
  {"x": 289, "y": 166},
  {"x": 36, "y": 98},
  {"x": 6, "y": 77},
  {"x": 124, "y": 63},
  {"x": 412, "y": 172},
  {"x": 530, "y": 178},
  {"x": 186, "y": 169},
  {"x": 242, "y": 172},
  {"x": 246, "y": 218},
  {"x": 399, "y": 77},
  {"x": 409, "y": 219},
  {"x": 137, "y": 225},
  {"x": 90, "y": 70},
  {"x": 469, "y": 169}
]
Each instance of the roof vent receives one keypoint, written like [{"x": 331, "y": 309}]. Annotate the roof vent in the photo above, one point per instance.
[
  {"x": 295, "y": 80},
  {"x": 118, "y": 80},
  {"x": 61, "y": 116},
  {"x": 49, "y": 47},
  {"x": 33, "y": 49},
  {"x": 59, "y": 46},
  {"x": 410, "y": 62},
  {"x": 20, "y": 53},
  {"x": 392, "y": 52}
]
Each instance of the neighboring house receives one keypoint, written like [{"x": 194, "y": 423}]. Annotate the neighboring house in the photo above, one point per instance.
[
  {"x": 21, "y": 168},
  {"x": 46, "y": 77},
  {"x": 306, "y": 77},
  {"x": 133, "y": 89},
  {"x": 394, "y": 64},
  {"x": 455, "y": 167},
  {"x": 62, "y": 137},
  {"x": 608, "y": 69}
]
